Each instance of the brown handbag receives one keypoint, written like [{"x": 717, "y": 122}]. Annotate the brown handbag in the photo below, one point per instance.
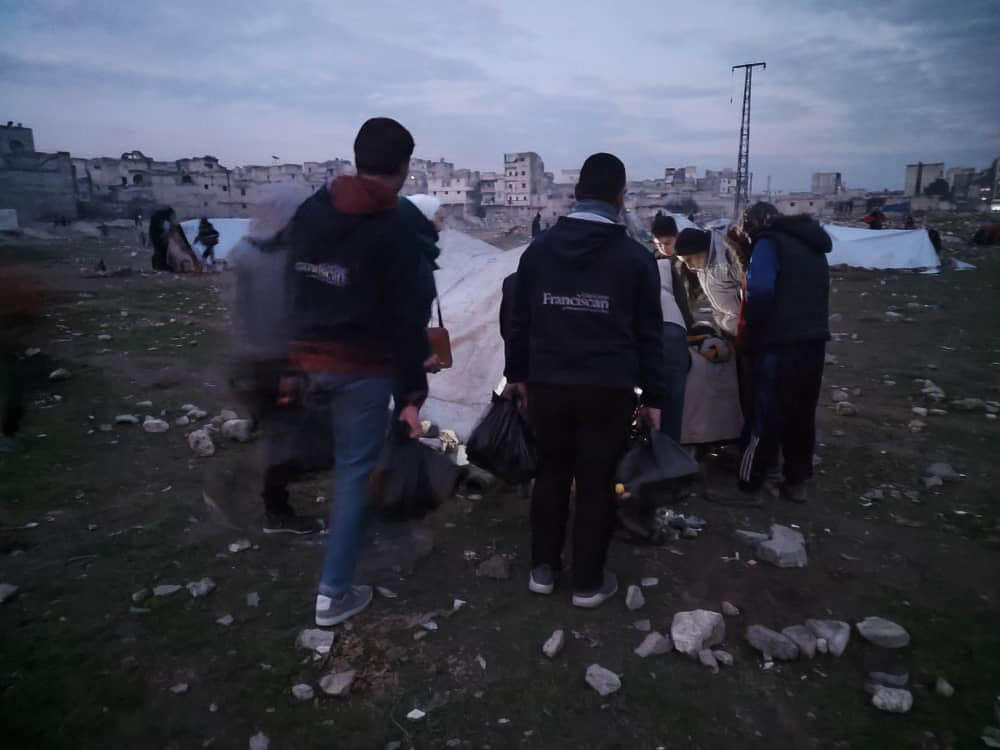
[{"x": 440, "y": 341}]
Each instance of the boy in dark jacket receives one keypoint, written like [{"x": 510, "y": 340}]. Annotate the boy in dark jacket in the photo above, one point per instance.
[
  {"x": 786, "y": 327},
  {"x": 360, "y": 304},
  {"x": 585, "y": 331}
]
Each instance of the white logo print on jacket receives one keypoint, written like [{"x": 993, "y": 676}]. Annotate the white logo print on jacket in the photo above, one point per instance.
[{"x": 328, "y": 273}]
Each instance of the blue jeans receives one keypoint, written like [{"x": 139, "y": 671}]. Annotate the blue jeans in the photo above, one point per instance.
[
  {"x": 678, "y": 362},
  {"x": 359, "y": 410}
]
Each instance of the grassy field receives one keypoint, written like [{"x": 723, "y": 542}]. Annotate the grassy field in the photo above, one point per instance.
[{"x": 90, "y": 514}]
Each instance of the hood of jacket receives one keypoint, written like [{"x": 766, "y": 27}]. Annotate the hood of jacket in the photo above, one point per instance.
[
  {"x": 361, "y": 196},
  {"x": 577, "y": 241},
  {"x": 805, "y": 229}
]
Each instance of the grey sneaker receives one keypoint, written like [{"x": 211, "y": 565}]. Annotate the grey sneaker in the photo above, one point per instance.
[
  {"x": 542, "y": 580},
  {"x": 333, "y": 610},
  {"x": 795, "y": 493},
  {"x": 736, "y": 497},
  {"x": 279, "y": 523},
  {"x": 597, "y": 597}
]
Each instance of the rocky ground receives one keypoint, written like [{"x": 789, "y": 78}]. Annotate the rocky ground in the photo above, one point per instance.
[{"x": 135, "y": 614}]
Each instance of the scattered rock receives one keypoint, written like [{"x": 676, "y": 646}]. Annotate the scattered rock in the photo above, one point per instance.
[
  {"x": 893, "y": 700},
  {"x": 991, "y": 737},
  {"x": 834, "y": 634},
  {"x": 188, "y": 407},
  {"x": 917, "y": 425},
  {"x": 724, "y": 657},
  {"x": 634, "y": 599},
  {"x": 840, "y": 396},
  {"x": 893, "y": 317},
  {"x": 643, "y": 626},
  {"x": 653, "y": 644},
  {"x": 386, "y": 593},
  {"x": 932, "y": 482},
  {"x": 240, "y": 430},
  {"x": 126, "y": 419},
  {"x": 693, "y": 631},
  {"x": 888, "y": 679},
  {"x": 707, "y": 658},
  {"x": 140, "y": 596},
  {"x": 802, "y": 637},
  {"x": 226, "y": 414},
  {"x": 303, "y": 692},
  {"x": 831, "y": 359},
  {"x": 144, "y": 404},
  {"x": 225, "y": 620},
  {"x": 919, "y": 411},
  {"x": 253, "y": 599},
  {"x": 259, "y": 741},
  {"x": 416, "y": 715},
  {"x": 883, "y": 633},
  {"x": 496, "y": 567},
  {"x": 554, "y": 644},
  {"x": 730, "y": 610},
  {"x": 314, "y": 639},
  {"x": 874, "y": 495},
  {"x": 32, "y": 351},
  {"x": 649, "y": 582},
  {"x": 197, "y": 414},
  {"x": 155, "y": 425},
  {"x": 943, "y": 688},
  {"x": 846, "y": 409},
  {"x": 337, "y": 684},
  {"x": 182, "y": 421},
  {"x": 180, "y": 688},
  {"x": 7, "y": 590},
  {"x": 786, "y": 548},
  {"x": 771, "y": 644},
  {"x": 932, "y": 391},
  {"x": 944, "y": 471},
  {"x": 201, "y": 443},
  {"x": 167, "y": 589},
  {"x": 239, "y": 545},
  {"x": 969, "y": 404},
  {"x": 204, "y": 587},
  {"x": 938, "y": 412},
  {"x": 604, "y": 681},
  {"x": 60, "y": 375}
]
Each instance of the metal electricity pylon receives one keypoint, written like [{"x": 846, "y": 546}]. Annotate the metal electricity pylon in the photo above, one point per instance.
[{"x": 743, "y": 159}]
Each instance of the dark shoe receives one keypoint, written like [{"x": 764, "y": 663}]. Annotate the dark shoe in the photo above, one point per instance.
[
  {"x": 795, "y": 493},
  {"x": 283, "y": 523},
  {"x": 597, "y": 597},
  {"x": 333, "y": 610},
  {"x": 542, "y": 580},
  {"x": 736, "y": 497}
]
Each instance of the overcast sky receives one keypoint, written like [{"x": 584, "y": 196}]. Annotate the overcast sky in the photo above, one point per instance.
[{"x": 858, "y": 87}]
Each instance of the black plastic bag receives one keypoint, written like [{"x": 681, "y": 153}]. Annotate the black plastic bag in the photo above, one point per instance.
[
  {"x": 411, "y": 479},
  {"x": 651, "y": 457},
  {"x": 502, "y": 443}
]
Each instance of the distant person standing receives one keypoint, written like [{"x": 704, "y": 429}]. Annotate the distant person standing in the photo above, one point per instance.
[
  {"x": 536, "y": 225},
  {"x": 787, "y": 326},
  {"x": 160, "y": 224},
  {"x": 208, "y": 238},
  {"x": 585, "y": 331}
]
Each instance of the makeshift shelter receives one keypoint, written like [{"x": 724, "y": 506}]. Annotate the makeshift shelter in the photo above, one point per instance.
[
  {"x": 230, "y": 232},
  {"x": 882, "y": 248}
]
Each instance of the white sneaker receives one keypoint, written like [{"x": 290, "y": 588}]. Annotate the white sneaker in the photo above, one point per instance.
[
  {"x": 597, "y": 597},
  {"x": 333, "y": 610}
]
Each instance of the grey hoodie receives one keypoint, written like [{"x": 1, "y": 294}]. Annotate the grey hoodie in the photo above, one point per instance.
[{"x": 260, "y": 310}]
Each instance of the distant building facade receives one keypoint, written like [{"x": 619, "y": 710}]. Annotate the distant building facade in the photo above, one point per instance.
[{"x": 827, "y": 183}]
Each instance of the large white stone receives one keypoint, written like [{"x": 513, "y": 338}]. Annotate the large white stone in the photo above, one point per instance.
[
  {"x": 155, "y": 425},
  {"x": 314, "y": 639},
  {"x": 893, "y": 700},
  {"x": 337, "y": 684},
  {"x": 201, "y": 443},
  {"x": 653, "y": 644},
  {"x": 696, "y": 630},
  {"x": 883, "y": 633},
  {"x": 604, "y": 681},
  {"x": 239, "y": 430},
  {"x": 833, "y": 635}
]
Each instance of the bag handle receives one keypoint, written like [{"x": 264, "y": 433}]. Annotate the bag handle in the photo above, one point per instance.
[{"x": 440, "y": 319}]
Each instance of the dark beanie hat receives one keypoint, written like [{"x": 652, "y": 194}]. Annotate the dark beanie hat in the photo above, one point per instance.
[
  {"x": 602, "y": 178},
  {"x": 692, "y": 241}
]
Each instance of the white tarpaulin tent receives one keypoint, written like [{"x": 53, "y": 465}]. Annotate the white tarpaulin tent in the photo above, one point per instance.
[
  {"x": 469, "y": 286},
  {"x": 881, "y": 248},
  {"x": 230, "y": 232}
]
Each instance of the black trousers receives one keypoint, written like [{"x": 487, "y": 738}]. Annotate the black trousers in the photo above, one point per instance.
[
  {"x": 581, "y": 434},
  {"x": 785, "y": 388}
]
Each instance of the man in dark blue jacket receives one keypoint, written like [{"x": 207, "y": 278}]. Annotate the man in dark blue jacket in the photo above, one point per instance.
[
  {"x": 585, "y": 331},
  {"x": 360, "y": 296},
  {"x": 786, "y": 318}
]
